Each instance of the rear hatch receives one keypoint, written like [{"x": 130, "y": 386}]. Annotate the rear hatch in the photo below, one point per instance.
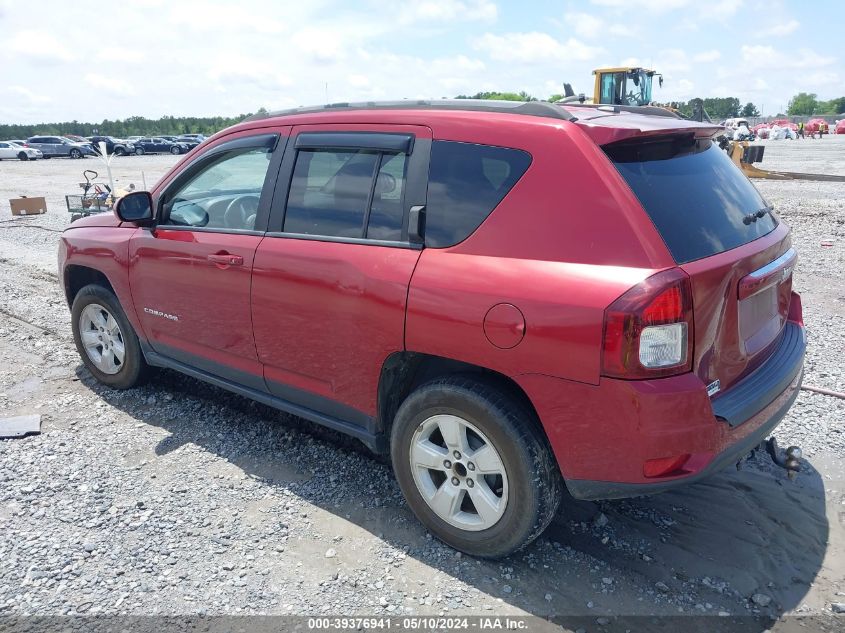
[{"x": 724, "y": 235}]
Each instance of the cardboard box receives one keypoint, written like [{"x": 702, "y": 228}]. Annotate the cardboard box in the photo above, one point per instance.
[{"x": 28, "y": 206}]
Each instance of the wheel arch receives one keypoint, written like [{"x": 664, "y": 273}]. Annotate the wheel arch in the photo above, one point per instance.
[
  {"x": 402, "y": 372},
  {"x": 77, "y": 277}
]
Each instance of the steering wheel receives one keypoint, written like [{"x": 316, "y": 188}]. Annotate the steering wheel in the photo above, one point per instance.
[{"x": 241, "y": 211}]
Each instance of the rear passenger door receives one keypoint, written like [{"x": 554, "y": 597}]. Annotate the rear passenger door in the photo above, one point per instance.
[
  {"x": 331, "y": 278},
  {"x": 57, "y": 147}
]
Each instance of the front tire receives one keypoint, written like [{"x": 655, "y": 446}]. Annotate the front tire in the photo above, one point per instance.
[
  {"x": 23, "y": 156},
  {"x": 105, "y": 339},
  {"x": 75, "y": 153},
  {"x": 175, "y": 150},
  {"x": 120, "y": 151},
  {"x": 474, "y": 466}
]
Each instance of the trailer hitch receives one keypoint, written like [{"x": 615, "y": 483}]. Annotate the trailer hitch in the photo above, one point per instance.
[{"x": 787, "y": 459}]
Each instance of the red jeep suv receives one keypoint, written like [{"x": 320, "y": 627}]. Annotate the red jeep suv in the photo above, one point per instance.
[{"x": 507, "y": 298}]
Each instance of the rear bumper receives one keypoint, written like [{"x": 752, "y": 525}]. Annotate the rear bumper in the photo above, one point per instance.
[
  {"x": 590, "y": 489},
  {"x": 603, "y": 435}
]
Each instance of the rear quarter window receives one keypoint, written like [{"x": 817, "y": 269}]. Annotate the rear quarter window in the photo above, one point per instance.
[
  {"x": 699, "y": 201},
  {"x": 466, "y": 182}
]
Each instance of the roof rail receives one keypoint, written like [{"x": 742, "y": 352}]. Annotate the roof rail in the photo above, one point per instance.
[
  {"x": 530, "y": 108},
  {"x": 646, "y": 110}
]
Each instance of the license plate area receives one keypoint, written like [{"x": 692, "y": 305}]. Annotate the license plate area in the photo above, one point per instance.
[
  {"x": 760, "y": 320},
  {"x": 764, "y": 302}
]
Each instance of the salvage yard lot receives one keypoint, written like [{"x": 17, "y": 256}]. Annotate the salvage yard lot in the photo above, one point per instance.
[{"x": 180, "y": 498}]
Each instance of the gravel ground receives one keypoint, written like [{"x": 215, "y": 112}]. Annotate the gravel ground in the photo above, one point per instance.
[{"x": 179, "y": 498}]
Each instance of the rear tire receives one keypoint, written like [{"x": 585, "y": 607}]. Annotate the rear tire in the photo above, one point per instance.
[
  {"x": 139, "y": 151},
  {"x": 486, "y": 514},
  {"x": 100, "y": 331},
  {"x": 120, "y": 151}
]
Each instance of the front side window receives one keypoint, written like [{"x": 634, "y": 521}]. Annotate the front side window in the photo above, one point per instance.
[
  {"x": 224, "y": 194},
  {"x": 347, "y": 193},
  {"x": 466, "y": 182}
]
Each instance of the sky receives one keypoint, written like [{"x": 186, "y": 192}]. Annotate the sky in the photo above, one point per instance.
[{"x": 89, "y": 61}]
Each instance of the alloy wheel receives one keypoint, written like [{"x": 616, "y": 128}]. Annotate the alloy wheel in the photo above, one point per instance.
[
  {"x": 101, "y": 338},
  {"x": 459, "y": 472}
]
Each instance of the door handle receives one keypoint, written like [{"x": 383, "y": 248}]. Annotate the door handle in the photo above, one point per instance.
[
  {"x": 416, "y": 224},
  {"x": 225, "y": 259}
]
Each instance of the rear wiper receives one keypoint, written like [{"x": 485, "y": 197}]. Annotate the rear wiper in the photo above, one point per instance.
[{"x": 756, "y": 215}]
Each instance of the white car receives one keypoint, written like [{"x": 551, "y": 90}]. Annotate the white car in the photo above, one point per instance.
[{"x": 13, "y": 149}]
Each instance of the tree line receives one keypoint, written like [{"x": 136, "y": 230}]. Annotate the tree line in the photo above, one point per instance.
[
  {"x": 132, "y": 126},
  {"x": 717, "y": 107},
  {"x": 808, "y": 103}
]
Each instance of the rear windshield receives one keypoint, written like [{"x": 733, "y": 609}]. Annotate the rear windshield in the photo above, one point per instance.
[{"x": 699, "y": 201}]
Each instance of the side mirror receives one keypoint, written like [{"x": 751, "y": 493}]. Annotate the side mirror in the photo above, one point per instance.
[{"x": 135, "y": 207}]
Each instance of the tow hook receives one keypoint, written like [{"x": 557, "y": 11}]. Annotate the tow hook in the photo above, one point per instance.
[{"x": 787, "y": 460}]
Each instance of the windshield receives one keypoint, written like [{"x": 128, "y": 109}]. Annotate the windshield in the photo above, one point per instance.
[
  {"x": 699, "y": 201},
  {"x": 638, "y": 89}
]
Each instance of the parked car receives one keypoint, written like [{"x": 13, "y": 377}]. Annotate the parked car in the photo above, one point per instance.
[
  {"x": 190, "y": 141},
  {"x": 11, "y": 149},
  {"x": 75, "y": 138},
  {"x": 113, "y": 145},
  {"x": 52, "y": 146},
  {"x": 502, "y": 297},
  {"x": 840, "y": 127},
  {"x": 197, "y": 137},
  {"x": 735, "y": 123},
  {"x": 159, "y": 145}
]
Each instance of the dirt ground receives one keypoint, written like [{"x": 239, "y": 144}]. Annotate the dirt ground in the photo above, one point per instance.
[{"x": 178, "y": 498}]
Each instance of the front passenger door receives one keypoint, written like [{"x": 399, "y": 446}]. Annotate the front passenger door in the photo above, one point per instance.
[{"x": 191, "y": 274}]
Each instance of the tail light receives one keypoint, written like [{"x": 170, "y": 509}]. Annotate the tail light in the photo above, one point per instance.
[{"x": 648, "y": 331}]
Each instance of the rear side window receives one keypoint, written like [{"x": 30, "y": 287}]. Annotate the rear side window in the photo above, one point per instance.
[
  {"x": 699, "y": 201},
  {"x": 466, "y": 182}
]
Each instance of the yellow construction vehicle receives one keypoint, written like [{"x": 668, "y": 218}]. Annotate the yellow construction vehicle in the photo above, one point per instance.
[
  {"x": 745, "y": 155},
  {"x": 629, "y": 86}
]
